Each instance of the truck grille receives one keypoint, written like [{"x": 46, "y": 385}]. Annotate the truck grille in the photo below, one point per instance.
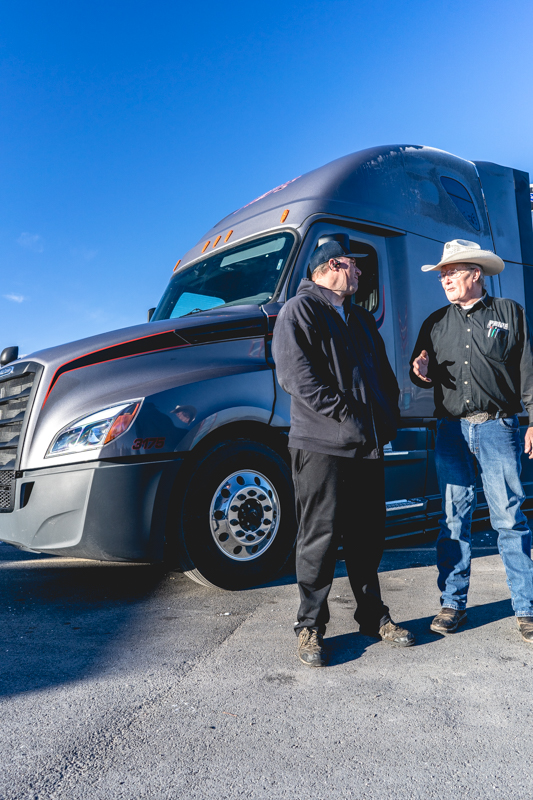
[
  {"x": 14, "y": 396},
  {"x": 7, "y": 482}
]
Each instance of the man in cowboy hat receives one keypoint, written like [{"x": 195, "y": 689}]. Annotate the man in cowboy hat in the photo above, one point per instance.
[
  {"x": 344, "y": 407},
  {"x": 476, "y": 355}
]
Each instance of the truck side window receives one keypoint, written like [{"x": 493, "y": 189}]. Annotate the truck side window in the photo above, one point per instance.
[
  {"x": 367, "y": 294},
  {"x": 459, "y": 195}
]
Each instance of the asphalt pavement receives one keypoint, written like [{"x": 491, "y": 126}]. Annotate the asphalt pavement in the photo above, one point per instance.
[{"x": 127, "y": 681}]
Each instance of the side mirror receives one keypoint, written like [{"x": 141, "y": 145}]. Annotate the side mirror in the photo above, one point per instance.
[
  {"x": 8, "y": 355},
  {"x": 150, "y": 313}
]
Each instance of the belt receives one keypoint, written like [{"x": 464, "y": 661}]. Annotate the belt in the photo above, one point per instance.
[{"x": 483, "y": 416}]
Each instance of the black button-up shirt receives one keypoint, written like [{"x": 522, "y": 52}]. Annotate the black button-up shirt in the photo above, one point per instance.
[{"x": 480, "y": 359}]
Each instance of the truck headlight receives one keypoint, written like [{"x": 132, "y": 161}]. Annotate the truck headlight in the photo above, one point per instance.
[{"x": 95, "y": 430}]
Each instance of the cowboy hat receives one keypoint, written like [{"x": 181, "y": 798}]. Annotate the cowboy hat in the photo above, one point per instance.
[{"x": 460, "y": 250}]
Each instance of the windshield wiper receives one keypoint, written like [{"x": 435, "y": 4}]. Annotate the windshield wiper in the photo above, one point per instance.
[{"x": 194, "y": 311}]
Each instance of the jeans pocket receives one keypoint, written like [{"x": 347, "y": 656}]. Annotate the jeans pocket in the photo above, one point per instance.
[{"x": 511, "y": 423}]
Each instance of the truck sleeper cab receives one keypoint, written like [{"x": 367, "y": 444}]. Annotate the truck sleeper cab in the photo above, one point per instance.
[{"x": 170, "y": 437}]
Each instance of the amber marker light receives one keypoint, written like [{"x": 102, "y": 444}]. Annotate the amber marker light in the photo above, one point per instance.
[
  {"x": 284, "y": 215},
  {"x": 206, "y": 245},
  {"x": 217, "y": 240},
  {"x": 122, "y": 422},
  {"x": 228, "y": 235},
  {"x": 178, "y": 262}
]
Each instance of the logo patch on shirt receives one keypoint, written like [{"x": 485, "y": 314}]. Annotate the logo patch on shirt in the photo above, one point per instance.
[
  {"x": 492, "y": 323},
  {"x": 496, "y": 327}
]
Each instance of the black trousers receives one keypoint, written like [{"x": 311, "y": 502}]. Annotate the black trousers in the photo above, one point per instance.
[{"x": 338, "y": 500}]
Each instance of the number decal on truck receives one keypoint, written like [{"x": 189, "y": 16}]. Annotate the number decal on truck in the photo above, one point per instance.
[{"x": 148, "y": 444}]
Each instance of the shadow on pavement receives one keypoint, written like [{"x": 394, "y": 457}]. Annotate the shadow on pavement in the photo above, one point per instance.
[
  {"x": 64, "y": 620},
  {"x": 58, "y": 622},
  {"x": 478, "y": 616},
  {"x": 347, "y": 647},
  {"x": 351, "y": 646}
]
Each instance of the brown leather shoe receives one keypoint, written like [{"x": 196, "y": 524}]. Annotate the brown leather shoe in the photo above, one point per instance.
[
  {"x": 311, "y": 648},
  {"x": 391, "y": 633},
  {"x": 525, "y": 626},
  {"x": 448, "y": 620}
]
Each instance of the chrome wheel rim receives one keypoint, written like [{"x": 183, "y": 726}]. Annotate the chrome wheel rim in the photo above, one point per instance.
[{"x": 244, "y": 516}]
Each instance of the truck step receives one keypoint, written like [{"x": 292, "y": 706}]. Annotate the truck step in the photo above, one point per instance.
[{"x": 405, "y": 506}]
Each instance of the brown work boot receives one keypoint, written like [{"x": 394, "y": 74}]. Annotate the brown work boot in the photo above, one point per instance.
[
  {"x": 391, "y": 633},
  {"x": 311, "y": 648},
  {"x": 448, "y": 620},
  {"x": 525, "y": 626}
]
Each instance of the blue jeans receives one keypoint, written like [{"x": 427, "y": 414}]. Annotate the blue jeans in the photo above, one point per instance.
[{"x": 495, "y": 446}]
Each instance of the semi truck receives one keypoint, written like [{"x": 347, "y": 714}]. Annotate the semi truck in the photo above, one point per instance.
[{"x": 168, "y": 439}]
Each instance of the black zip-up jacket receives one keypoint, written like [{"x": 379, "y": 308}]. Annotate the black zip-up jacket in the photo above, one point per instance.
[
  {"x": 479, "y": 359},
  {"x": 344, "y": 392}
]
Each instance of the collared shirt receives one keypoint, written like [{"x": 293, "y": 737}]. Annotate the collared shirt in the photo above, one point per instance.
[{"x": 480, "y": 359}]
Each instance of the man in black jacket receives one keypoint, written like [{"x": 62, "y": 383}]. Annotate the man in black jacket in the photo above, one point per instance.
[
  {"x": 331, "y": 359},
  {"x": 476, "y": 354}
]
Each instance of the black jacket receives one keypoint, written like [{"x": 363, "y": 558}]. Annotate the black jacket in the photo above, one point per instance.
[
  {"x": 344, "y": 392},
  {"x": 479, "y": 359}
]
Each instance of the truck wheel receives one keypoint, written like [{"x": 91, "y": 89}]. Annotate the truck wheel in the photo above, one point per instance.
[{"x": 238, "y": 523}]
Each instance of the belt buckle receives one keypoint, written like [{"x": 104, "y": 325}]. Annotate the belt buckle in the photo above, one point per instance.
[{"x": 477, "y": 419}]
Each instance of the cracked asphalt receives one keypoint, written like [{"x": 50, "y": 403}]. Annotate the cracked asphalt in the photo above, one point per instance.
[{"x": 127, "y": 681}]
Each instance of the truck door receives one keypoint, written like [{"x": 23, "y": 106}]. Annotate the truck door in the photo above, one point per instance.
[{"x": 405, "y": 457}]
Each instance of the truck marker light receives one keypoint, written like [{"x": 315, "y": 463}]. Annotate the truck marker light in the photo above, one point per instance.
[
  {"x": 206, "y": 245},
  {"x": 122, "y": 423},
  {"x": 228, "y": 235},
  {"x": 217, "y": 240},
  {"x": 178, "y": 262},
  {"x": 284, "y": 215}
]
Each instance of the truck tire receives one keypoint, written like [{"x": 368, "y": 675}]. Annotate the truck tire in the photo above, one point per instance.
[{"x": 237, "y": 523}]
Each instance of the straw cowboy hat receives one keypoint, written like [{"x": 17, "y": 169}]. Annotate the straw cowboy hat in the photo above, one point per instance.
[{"x": 460, "y": 251}]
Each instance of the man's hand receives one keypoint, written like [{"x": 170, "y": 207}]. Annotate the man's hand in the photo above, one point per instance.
[
  {"x": 420, "y": 368},
  {"x": 528, "y": 445}
]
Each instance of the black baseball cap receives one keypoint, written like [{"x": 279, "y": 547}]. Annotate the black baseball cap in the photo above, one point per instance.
[{"x": 327, "y": 251}]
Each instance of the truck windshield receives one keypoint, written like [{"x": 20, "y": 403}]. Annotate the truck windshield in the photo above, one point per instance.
[{"x": 245, "y": 275}]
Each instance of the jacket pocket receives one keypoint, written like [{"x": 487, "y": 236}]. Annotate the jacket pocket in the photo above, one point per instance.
[
  {"x": 309, "y": 424},
  {"x": 352, "y": 431}
]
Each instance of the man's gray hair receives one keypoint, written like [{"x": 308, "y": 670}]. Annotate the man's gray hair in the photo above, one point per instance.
[{"x": 320, "y": 270}]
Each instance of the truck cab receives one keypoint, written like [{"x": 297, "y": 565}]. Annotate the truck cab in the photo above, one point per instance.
[{"x": 170, "y": 438}]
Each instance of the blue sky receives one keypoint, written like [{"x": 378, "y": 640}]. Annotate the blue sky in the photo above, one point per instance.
[{"x": 127, "y": 129}]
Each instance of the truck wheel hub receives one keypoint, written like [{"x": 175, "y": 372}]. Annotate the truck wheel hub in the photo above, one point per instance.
[{"x": 244, "y": 515}]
